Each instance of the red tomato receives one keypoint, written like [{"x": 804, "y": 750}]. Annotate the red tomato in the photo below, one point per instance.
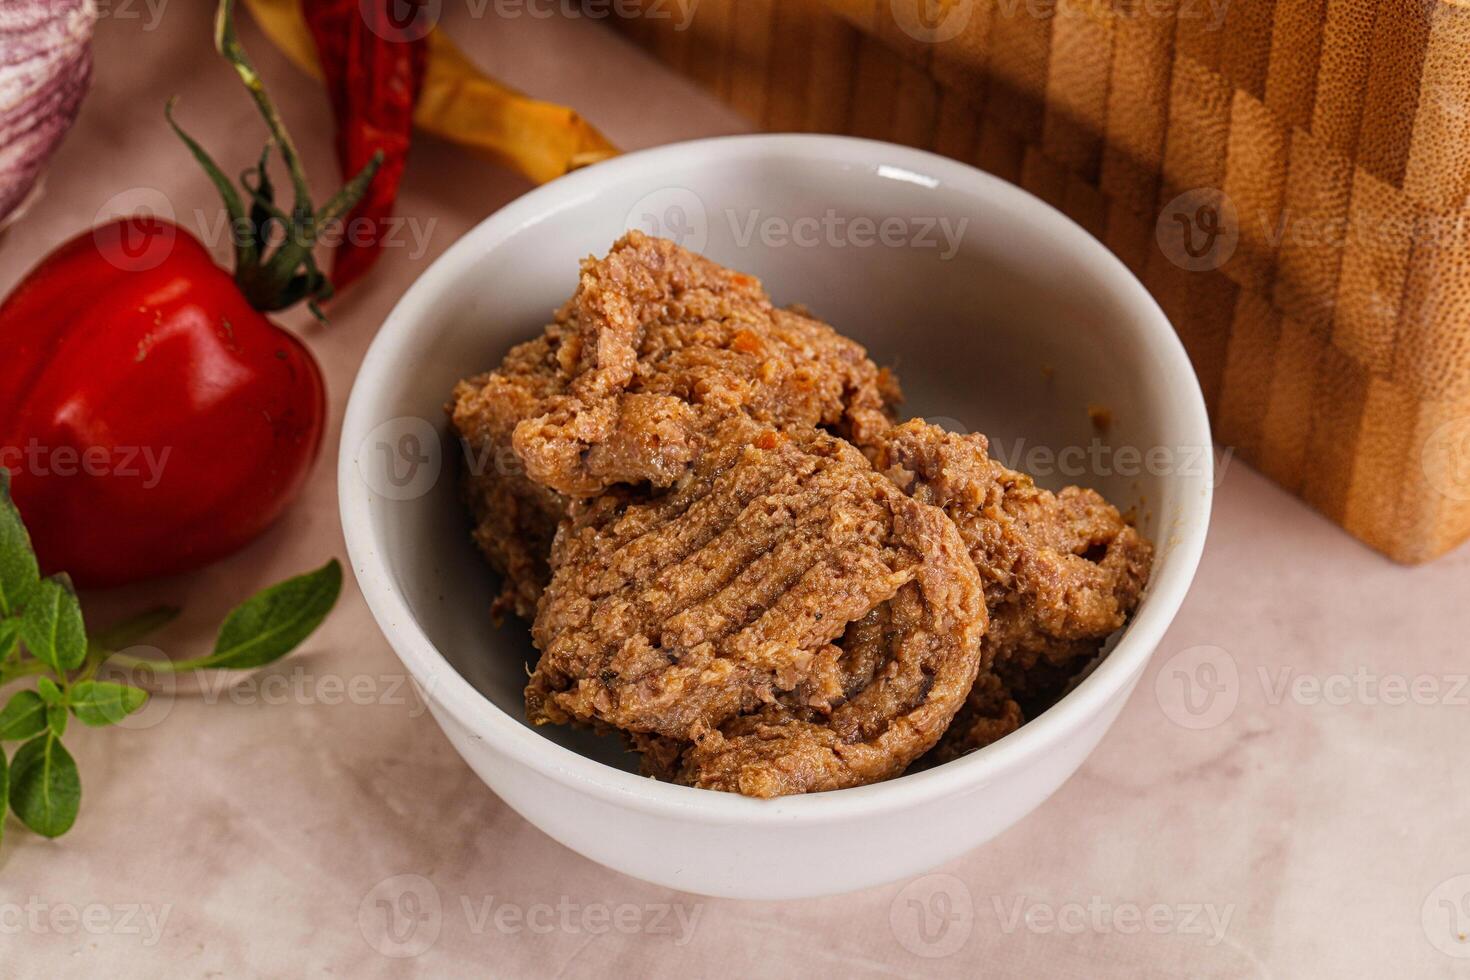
[{"x": 152, "y": 420}]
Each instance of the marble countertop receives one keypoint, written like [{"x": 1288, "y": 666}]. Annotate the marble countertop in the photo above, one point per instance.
[{"x": 1310, "y": 820}]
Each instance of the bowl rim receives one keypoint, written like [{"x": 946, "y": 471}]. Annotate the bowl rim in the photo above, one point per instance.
[{"x": 445, "y": 686}]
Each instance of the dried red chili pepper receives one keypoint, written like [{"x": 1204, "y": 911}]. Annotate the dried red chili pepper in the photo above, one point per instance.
[{"x": 373, "y": 54}]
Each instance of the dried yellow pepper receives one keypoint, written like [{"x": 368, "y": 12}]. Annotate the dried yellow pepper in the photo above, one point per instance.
[{"x": 462, "y": 104}]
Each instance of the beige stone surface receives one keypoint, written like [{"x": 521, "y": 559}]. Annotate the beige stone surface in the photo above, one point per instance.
[{"x": 1309, "y": 821}]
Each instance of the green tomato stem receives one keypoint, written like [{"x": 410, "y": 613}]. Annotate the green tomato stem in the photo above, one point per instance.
[
  {"x": 227, "y": 43},
  {"x": 289, "y": 275},
  {"x": 162, "y": 665}
]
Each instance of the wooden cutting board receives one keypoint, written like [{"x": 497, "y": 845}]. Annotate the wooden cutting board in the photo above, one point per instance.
[{"x": 1290, "y": 179}]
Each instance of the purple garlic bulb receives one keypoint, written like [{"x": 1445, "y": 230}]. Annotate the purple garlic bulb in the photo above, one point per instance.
[{"x": 45, "y": 67}]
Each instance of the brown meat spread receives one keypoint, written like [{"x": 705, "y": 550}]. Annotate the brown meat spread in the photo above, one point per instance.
[
  {"x": 656, "y": 346},
  {"x": 733, "y": 557},
  {"x": 1062, "y": 572},
  {"x": 719, "y": 614}
]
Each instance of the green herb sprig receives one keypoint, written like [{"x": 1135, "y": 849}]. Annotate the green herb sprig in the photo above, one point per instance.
[{"x": 44, "y": 641}]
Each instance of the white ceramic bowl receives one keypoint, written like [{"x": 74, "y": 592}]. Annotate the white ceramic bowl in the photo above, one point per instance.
[{"x": 1016, "y": 331}]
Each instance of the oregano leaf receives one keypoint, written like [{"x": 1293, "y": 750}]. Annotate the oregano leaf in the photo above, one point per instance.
[
  {"x": 49, "y": 692},
  {"x": 56, "y": 719},
  {"x": 51, "y": 625},
  {"x": 273, "y": 622},
  {"x": 101, "y": 703},
  {"x": 23, "y": 717},
  {"x": 45, "y": 790},
  {"x": 18, "y": 570},
  {"x": 4, "y": 791},
  {"x": 9, "y": 638}
]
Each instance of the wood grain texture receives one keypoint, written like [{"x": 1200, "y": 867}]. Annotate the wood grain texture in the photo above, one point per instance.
[
  {"x": 1380, "y": 496},
  {"x": 874, "y": 89},
  {"x": 1245, "y": 44},
  {"x": 1437, "y": 174},
  {"x": 1199, "y": 130},
  {"x": 963, "y": 63},
  {"x": 1312, "y": 230},
  {"x": 1205, "y": 329},
  {"x": 1295, "y": 53},
  {"x": 677, "y": 46},
  {"x": 915, "y": 107},
  {"x": 1432, "y": 355},
  {"x": 1245, "y": 390},
  {"x": 1020, "y": 54},
  {"x": 956, "y": 126},
  {"x": 1340, "y": 393},
  {"x": 1391, "y": 96},
  {"x": 788, "y": 78},
  {"x": 1342, "y": 72},
  {"x": 750, "y": 55},
  {"x": 1437, "y": 478},
  {"x": 1333, "y": 343},
  {"x": 1086, "y": 205},
  {"x": 831, "y": 67},
  {"x": 1138, "y": 106},
  {"x": 999, "y": 150},
  {"x": 1129, "y": 234},
  {"x": 1201, "y": 305},
  {"x": 1197, "y": 32},
  {"x": 1375, "y": 265},
  {"x": 1255, "y": 182},
  {"x": 1044, "y": 177},
  {"x": 1288, "y": 423},
  {"x": 708, "y": 45},
  {"x": 1077, "y": 89}
]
